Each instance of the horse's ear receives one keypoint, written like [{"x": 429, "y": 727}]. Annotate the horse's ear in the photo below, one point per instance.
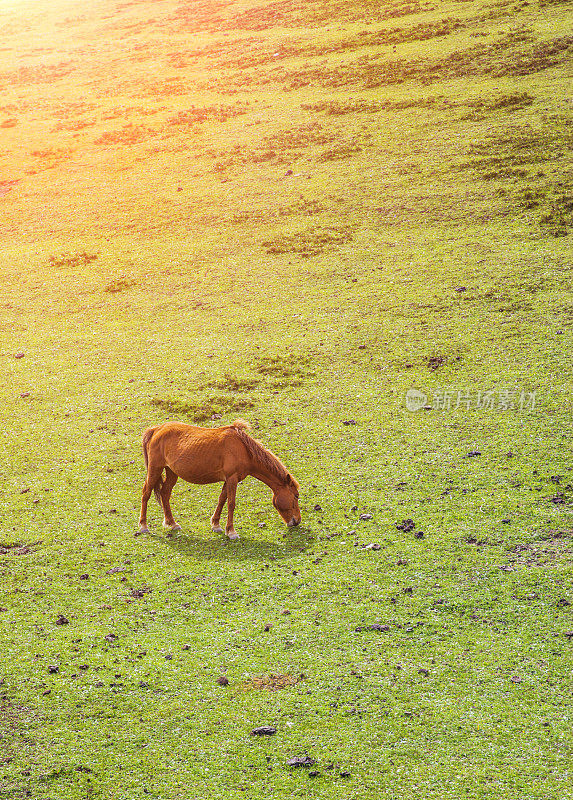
[{"x": 292, "y": 482}]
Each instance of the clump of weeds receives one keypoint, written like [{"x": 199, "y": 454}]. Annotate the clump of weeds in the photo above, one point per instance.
[
  {"x": 72, "y": 260},
  {"x": 210, "y": 407},
  {"x": 310, "y": 242},
  {"x": 119, "y": 285}
]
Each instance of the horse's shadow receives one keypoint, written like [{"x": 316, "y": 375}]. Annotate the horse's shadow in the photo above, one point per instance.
[{"x": 243, "y": 549}]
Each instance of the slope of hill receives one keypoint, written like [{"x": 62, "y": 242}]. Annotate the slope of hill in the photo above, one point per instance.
[{"x": 350, "y": 223}]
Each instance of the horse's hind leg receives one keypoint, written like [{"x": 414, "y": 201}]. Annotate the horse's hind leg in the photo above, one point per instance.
[
  {"x": 216, "y": 518},
  {"x": 166, "y": 489},
  {"x": 151, "y": 481},
  {"x": 231, "y": 493}
]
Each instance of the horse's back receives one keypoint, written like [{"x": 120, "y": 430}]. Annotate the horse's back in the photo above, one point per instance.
[
  {"x": 188, "y": 435},
  {"x": 197, "y": 454}
]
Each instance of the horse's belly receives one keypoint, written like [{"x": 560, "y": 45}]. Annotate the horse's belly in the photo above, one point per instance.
[
  {"x": 196, "y": 473},
  {"x": 202, "y": 478}
]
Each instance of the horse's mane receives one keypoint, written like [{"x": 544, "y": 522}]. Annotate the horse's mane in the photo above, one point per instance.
[{"x": 262, "y": 456}]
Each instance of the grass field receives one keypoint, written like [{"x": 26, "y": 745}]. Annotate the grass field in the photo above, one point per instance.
[{"x": 295, "y": 213}]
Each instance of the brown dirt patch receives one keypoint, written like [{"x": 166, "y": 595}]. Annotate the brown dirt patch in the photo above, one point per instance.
[
  {"x": 271, "y": 682},
  {"x": 550, "y": 547}
]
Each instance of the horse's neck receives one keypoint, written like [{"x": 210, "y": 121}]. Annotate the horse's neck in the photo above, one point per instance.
[{"x": 265, "y": 476}]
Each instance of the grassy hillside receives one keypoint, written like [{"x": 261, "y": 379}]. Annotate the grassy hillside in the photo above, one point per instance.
[{"x": 295, "y": 213}]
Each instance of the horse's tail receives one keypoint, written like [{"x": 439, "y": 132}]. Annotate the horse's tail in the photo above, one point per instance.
[
  {"x": 157, "y": 489},
  {"x": 144, "y": 442},
  {"x": 241, "y": 425},
  {"x": 147, "y": 436}
]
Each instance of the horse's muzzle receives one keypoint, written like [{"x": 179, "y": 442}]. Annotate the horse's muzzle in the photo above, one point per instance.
[{"x": 294, "y": 522}]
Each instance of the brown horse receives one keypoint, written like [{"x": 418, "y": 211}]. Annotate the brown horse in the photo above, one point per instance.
[{"x": 208, "y": 455}]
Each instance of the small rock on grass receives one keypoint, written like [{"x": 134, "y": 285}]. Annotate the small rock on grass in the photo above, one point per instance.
[
  {"x": 376, "y": 627},
  {"x": 406, "y": 525},
  {"x": 61, "y": 620},
  {"x": 223, "y": 681},
  {"x": 301, "y": 761},
  {"x": 264, "y": 730},
  {"x": 365, "y": 517}
]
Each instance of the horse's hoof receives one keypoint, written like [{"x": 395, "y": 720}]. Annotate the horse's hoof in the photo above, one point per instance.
[
  {"x": 142, "y": 529},
  {"x": 217, "y": 529},
  {"x": 175, "y": 527},
  {"x": 232, "y": 535}
]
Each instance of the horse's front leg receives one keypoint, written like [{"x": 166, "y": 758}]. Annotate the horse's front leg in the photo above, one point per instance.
[
  {"x": 231, "y": 493},
  {"x": 216, "y": 518}
]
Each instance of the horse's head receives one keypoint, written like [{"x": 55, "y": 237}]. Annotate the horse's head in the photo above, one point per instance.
[{"x": 285, "y": 500}]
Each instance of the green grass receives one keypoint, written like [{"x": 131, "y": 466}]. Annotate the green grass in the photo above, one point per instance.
[{"x": 265, "y": 210}]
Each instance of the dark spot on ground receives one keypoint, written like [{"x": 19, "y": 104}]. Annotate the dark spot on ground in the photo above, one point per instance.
[{"x": 264, "y": 730}]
